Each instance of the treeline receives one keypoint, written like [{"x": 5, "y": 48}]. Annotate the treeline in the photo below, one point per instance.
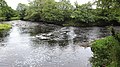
[
  {"x": 64, "y": 13},
  {"x": 6, "y": 12}
]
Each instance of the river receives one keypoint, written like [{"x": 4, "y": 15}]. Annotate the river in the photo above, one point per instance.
[{"x": 29, "y": 44}]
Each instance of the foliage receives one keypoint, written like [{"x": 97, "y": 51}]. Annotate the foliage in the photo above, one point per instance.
[
  {"x": 64, "y": 13},
  {"x": 14, "y": 18},
  {"x": 6, "y": 12},
  {"x": 107, "y": 11},
  {"x": 106, "y": 52},
  {"x": 107, "y": 4},
  {"x": 83, "y": 14},
  {"x": 49, "y": 11},
  {"x": 21, "y": 8},
  {"x": 2, "y": 18}
]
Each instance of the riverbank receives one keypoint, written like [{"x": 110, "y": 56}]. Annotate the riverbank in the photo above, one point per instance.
[
  {"x": 73, "y": 23},
  {"x": 78, "y": 24},
  {"x": 91, "y": 24},
  {"x": 4, "y": 27}
]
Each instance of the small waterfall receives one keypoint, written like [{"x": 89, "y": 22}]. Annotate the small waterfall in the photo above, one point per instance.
[
  {"x": 93, "y": 34},
  {"x": 71, "y": 34}
]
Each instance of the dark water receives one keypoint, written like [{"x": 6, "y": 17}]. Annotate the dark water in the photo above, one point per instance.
[{"x": 41, "y": 45}]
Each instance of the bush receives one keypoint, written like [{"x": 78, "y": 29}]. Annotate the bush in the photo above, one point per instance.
[
  {"x": 2, "y": 18},
  {"x": 106, "y": 52}
]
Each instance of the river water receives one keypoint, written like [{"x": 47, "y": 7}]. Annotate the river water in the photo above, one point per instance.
[{"x": 30, "y": 44}]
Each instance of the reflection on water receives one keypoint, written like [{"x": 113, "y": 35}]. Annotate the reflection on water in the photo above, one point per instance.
[{"x": 42, "y": 45}]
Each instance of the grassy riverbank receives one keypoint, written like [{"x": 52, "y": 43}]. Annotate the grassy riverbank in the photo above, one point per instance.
[
  {"x": 4, "y": 27},
  {"x": 106, "y": 52}
]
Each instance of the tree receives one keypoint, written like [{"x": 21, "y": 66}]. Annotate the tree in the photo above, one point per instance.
[
  {"x": 6, "y": 12},
  {"x": 63, "y": 12},
  {"x": 34, "y": 11},
  {"x": 108, "y": 11},
  {"x": 49, "y": 11},
  {"x": 67, "y": 9},
  {"x": 21, "y": 8},
  {"x": 83, "y": 14}
]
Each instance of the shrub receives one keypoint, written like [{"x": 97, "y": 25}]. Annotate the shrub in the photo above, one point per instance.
[
  {"x": 2, "y": 18},
  {"x": 106, "y": 52}
]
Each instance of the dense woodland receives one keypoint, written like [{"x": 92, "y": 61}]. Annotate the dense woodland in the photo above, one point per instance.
[{"x": 64, "y": 13}]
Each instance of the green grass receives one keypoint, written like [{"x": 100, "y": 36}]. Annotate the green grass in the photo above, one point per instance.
[{"x": 5, "y": 27}]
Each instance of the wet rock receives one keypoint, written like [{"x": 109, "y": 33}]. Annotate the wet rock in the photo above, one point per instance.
[{"x": 2, "y": 44}]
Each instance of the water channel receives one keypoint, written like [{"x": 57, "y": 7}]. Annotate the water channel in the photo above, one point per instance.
[{"x": 29, "y": 44}]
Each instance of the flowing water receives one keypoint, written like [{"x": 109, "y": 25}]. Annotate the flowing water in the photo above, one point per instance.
[{"x": 30, "y": 44}]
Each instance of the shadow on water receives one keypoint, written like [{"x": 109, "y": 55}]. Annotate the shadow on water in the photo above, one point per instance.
[
  {"x": 79, "y": 35},
  {"x": 43, "y": 45},
  {"x": 40, "y": 29},
  {"x": 3, "y": 35}
]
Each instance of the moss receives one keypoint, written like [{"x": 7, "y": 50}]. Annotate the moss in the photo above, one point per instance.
[{"x": 5, "y": 27}]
